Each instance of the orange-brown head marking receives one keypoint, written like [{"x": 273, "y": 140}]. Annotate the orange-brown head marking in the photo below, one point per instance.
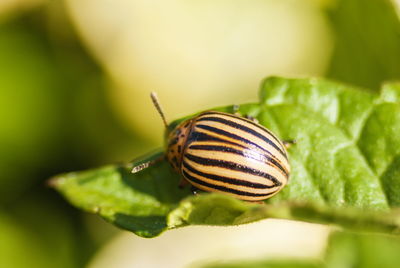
[{"x": 176, "y": 144}]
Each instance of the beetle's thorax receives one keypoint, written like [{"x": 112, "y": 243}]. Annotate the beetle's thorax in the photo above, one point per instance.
[{"x": 176, "y": 143}]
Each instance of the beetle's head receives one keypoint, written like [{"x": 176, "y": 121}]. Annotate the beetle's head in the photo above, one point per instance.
[
  {"x": 175, "y": 143},
  {"x": 176, "y": 134}
]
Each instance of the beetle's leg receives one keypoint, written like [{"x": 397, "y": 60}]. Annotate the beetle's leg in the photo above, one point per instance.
[
  {"x": 183, "y": 182},
  {"x": 255, "y": 120},
  {"x": 194, "y": 190},
  {"x": 146, "y": 164},
  {"x": 288, "y": 143},
  {"x": 235, "y": 109}
]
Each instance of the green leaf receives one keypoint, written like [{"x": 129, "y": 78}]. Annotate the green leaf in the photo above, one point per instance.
[
  {"x": 391, "y": 92},
  {"x": 344, "y": 250},
  {"x": 37, "y": 239},
  {"x": 269, "y": 264},
  {"x": 362, "y": 250},
  {"x": 345, "y": 167},
  {"x": 367, "y": 42},
  {"x": 29, "y": 132},
  {"x": 137, "y": 202},
  {"x": 14, "y": 241}
]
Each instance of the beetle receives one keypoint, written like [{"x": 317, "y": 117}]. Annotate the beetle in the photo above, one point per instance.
[{"x": 227, "y": 153}]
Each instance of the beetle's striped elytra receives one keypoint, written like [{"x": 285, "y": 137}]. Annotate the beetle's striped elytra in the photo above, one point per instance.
[{"x": 227, "y": 153}]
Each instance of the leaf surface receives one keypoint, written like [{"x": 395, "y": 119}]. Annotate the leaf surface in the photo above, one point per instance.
[{"x": 367, "y": 41}]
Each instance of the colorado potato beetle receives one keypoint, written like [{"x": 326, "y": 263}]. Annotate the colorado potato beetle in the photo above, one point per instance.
[{"x": 226, "y": 153}]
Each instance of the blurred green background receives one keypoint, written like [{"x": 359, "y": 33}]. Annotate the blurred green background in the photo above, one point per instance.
[{"x": 75, "y": 78}]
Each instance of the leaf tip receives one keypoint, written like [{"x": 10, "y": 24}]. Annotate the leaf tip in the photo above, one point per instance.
[
  {"x": 53, "y": 182},
  {"x": 56, "y": 181},
  {"x": 96, "y": 210}
]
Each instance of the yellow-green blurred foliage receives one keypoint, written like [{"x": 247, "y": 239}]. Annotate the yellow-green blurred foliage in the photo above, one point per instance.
[
  {"x": 75, "y": 78},
  {"x": 198, "y": 54}
]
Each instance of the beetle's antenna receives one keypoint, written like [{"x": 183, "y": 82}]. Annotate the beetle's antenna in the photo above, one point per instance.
[{"x": 156, "y": 103}]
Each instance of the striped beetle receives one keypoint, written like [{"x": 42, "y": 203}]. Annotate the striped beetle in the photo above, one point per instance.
[{"x": 226, "y": 153}]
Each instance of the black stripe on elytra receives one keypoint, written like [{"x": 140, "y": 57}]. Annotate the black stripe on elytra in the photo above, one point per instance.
[
  {"x": 201, "y": 136},
  {"x": 217, "y": 148},
  {"x": 233, "y": 136},
  {"x": 232, "y": 166},
  {"x": 226, "y": 179},
  {"x": 243, "y": 128},
  {"x": 219, "y": 187},
  {"x": 260, "y": 127},
  {"x": 204, "y": 137}
]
